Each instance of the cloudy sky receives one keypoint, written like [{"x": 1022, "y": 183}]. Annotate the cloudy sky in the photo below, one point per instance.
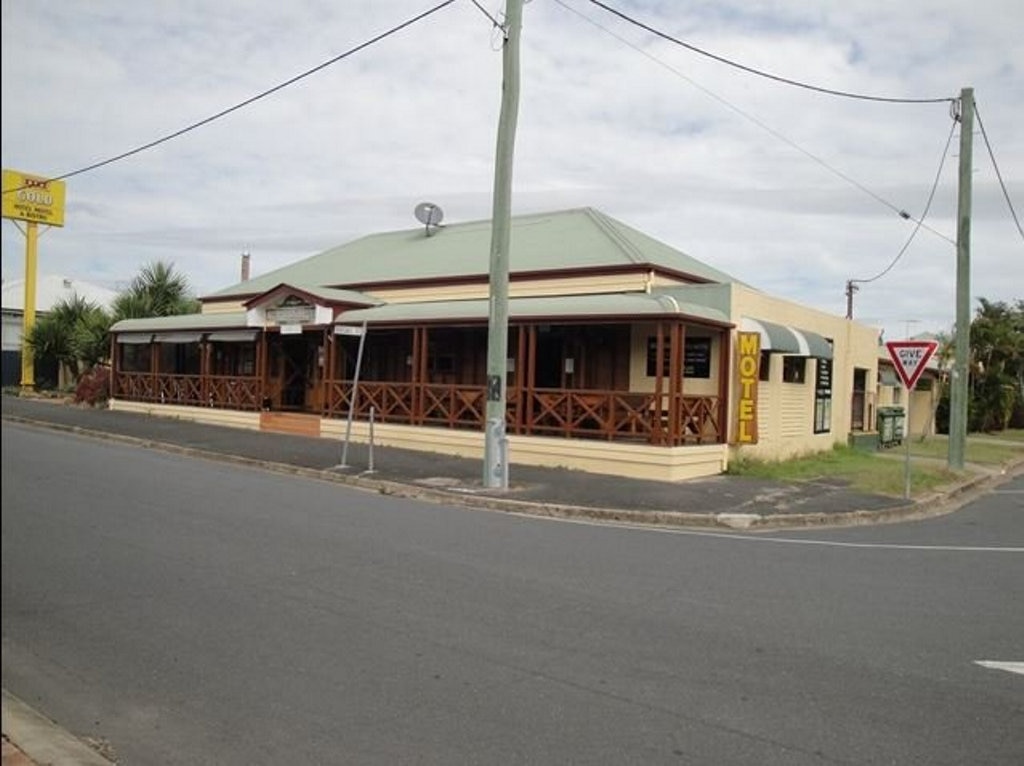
[{"x": 791, "y": 191}]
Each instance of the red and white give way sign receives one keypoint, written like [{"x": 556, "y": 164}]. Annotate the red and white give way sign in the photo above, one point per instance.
[{"x": 909, "y": 357}]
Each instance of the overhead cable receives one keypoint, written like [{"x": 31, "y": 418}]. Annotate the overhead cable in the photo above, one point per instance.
[
  {"x": 251, "y": 100},
  {"x": 902, "y": 213},
  {"x": 762, "y": 73},
  {"x": 927, "y": 207},
  {"x": 999, "y": 175}
]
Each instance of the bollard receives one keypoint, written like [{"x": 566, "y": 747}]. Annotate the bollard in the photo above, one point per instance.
[{"x": 370, "y": 467}]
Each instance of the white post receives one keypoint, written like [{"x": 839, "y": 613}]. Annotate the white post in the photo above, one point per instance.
[
  {"x": 355, "y": 397},
  {"x": 369, "y": 468},
  {"x": 906, "y": 444}
]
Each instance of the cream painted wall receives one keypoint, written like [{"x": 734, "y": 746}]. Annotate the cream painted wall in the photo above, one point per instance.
[
  {"x": 222, "y": 307},
  {"x": 639, "y": 381},
  {"x": 612, "y": 283},
  {"x": 232, "y": 418},
  {"x": 786, "y": 410}
]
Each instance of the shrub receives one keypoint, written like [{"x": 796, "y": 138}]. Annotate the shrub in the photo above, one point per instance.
[{"x": 94, "y": 386}]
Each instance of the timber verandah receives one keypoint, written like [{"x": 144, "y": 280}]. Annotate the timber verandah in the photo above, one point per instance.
[{"x": 434, "y": 376}]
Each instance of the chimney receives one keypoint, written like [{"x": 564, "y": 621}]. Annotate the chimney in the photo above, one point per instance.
[{"x": 245, "y": 267}]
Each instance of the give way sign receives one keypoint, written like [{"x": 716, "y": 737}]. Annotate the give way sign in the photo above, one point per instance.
[{"x": 909, "y": 357}]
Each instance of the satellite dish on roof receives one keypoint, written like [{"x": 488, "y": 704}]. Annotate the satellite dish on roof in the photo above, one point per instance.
[{"x": 430, "y": 215}]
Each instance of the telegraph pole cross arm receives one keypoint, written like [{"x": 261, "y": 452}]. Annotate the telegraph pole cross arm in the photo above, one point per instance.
[{"x": 910, "y": 357}]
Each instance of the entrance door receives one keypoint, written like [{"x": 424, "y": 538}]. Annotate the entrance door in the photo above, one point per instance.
[
  {"x": 294, "y": 371},
  {"x": 859, "y": 399},
  {"x": 549, "y": 360}
]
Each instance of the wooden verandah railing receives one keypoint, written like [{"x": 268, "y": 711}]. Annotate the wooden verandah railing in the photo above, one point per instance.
[
  {"x": 612, "y": 415},
  {"x": 653, "y": 418},
  {"x": 223, "y": 391}
]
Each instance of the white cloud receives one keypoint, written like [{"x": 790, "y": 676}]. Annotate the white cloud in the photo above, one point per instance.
[{"x": 628, "y": 127}]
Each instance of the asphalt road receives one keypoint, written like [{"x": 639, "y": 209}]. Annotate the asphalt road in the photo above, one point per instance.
[{"x": 192, "y": 612}]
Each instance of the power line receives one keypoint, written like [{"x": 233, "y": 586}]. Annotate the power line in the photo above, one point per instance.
[
  {"x": 251, "y": 100},
  {"x": 486, "y": 13},
  {"x": 999, "y": 175},
  {"x": 902, "y": 213},
  {"x": 927, "y": 207},
  {"x": 767, "y": 75}
]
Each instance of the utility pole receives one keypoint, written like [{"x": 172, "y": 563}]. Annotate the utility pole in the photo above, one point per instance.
[
  {"x": 495, "y": 441},
  {"x": 958, "y": 392},
  {"x": 851, "y": 288}
]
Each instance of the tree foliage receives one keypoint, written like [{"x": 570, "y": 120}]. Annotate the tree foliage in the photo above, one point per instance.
[
  {"x": 995, "y": 367},
  {"x": 157, "y": 291},
  {"x": 997, "y": 364},
  {"x": 76, "y": 333},
  {"x": 73, "y": 333}
]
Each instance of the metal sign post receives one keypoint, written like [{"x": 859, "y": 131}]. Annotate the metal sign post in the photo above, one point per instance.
[
  {"x": 361, "y": 332},
  {"x": 906, "y": 446},
  {"x": 909, "y": 357}
]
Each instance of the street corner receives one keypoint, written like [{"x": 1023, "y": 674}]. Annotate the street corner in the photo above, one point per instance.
[{"x": 31, "y": 738}]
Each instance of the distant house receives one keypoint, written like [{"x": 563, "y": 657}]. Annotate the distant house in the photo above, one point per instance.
[
  {"x": 625, "y": 355},
  {"x": 50, "y": 290}
]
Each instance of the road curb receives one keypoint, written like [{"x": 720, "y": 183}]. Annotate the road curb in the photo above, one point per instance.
[
  {"x": 934, "y": 504},
  {"x": 42, "y": 740}
]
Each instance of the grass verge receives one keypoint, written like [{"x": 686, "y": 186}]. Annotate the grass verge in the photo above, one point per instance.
[
  {"x": 862, "y": 471},
  {"x": 982, "y": 449}
]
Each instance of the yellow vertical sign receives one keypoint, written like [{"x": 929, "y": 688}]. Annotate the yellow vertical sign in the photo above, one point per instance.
[{"x": 746, "y": 405}]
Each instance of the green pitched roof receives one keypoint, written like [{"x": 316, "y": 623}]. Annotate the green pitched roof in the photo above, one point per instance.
[
  {"x": 691, "y": 301},
  {"x": 182, "y": 322},
  {"x": 579, "y": 239}
]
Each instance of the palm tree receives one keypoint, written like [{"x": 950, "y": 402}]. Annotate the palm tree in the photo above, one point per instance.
[
  {"x": 73, "y": 332},
  {"x": 157, "y": 291}
]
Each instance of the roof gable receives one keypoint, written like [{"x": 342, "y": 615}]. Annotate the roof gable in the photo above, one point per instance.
[{"x": 321, "y": 295}]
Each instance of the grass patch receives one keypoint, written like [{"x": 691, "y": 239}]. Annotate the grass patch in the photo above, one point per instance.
[
  {"x": 862, "y": 471},
  {"x": 1009, "y": 435},
  {"x": 978, "y": 449}
]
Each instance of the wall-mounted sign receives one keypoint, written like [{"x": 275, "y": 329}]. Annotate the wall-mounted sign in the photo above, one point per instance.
[
  {"x": 32, "y": 198},
  {"x": 346, "y": 329},
  {"x": 697, "y": 358},
  {"x": 823, "y": 397},
  {"x": 296, "y": 314},
  {"x": 746, "y": 403}
]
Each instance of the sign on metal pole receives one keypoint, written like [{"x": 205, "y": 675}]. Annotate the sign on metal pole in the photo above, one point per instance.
[
  {"x": 909, "y": 357},
  {"x": 354, "y": 399},
  {"x": 352, "y": 330},
  {"x": 34, "y": 200}
]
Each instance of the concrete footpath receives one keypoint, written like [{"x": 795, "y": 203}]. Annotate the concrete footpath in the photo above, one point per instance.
[{"x": 729, "y": 502}]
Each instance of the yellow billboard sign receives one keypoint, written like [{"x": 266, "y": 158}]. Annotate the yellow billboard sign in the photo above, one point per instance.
[{"x": 33, "y": 198}]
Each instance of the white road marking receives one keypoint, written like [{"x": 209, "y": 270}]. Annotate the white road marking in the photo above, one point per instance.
[
  {"x": 1012, "y": 667},
  {"x": 782, "y": 540}
]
